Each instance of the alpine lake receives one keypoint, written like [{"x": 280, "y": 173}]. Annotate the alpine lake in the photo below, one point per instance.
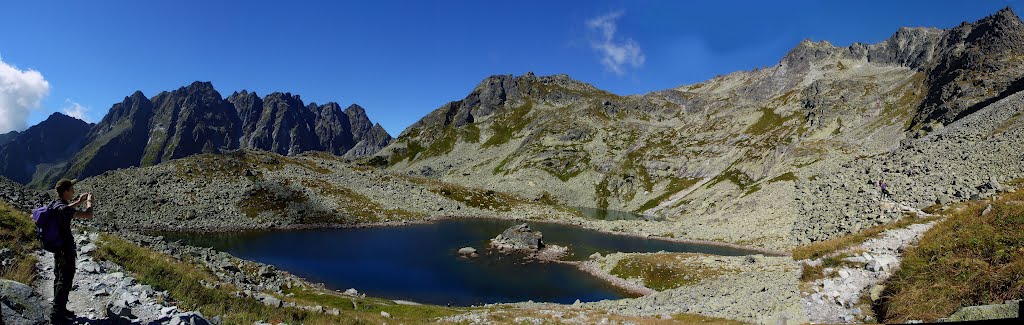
[{"x": 420, "y": 263}]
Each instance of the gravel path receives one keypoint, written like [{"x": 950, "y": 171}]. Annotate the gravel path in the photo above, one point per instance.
[
  {"x": 104, "y": 293},
  {"x": 835, "y": 300}
]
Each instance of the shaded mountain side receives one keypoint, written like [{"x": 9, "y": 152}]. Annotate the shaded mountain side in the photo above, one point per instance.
[
  {"x": 45, "y": 145},
  {"x": 142, "y": 131},
  {"x": 8, "y": 136},
  {"x": 721, "y": 158}
]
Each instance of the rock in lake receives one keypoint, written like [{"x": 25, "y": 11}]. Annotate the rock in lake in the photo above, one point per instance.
[{"x": 519, "y": 237}]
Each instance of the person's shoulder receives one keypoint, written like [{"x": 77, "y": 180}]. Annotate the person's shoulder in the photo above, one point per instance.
[{"x": 58, "y": 205}]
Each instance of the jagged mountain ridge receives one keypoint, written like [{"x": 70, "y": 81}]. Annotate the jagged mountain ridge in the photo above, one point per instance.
[
  {"x": 46, "y": 145},
  {"x": 141, "y": 131},
  {"x": 721, "y": 156}
]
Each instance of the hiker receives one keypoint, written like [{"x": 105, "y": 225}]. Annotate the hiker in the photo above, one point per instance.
[
  {"x": 53, "y": 224},
  {"x": 885, "y": 189}
]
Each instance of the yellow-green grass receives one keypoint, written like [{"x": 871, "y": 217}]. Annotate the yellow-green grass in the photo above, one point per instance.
[
  {"x": 18, "y": 233},
  {"x": 822, "y": 248},
  {"x": 184, "y": 282},
  {"x": 356, "y": 205},
  {"x": 675, "y": 185},
  {"x": 663, "y": 271},
  {"x": 967, "y": 259}
]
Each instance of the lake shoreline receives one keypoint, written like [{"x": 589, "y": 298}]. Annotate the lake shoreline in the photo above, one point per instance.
[{"x": 581, "y": 222}]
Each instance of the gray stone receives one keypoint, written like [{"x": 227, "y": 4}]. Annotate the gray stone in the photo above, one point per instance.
[
  {"x": 519, "y": 237},
  {"x": 269, "y": 300},
  {"x": 21, "y": 303},
  {"x": 1010, "y": 309},
  {"x": 117, "y": 311}
]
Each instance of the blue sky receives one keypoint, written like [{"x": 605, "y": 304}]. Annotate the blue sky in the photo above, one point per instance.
[{"x": 403, "y": 59}]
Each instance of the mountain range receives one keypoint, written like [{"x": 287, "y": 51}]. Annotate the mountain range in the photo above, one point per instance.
[
  {"x": 757, "y": 147},
  {"x": 141, "y": 131}
]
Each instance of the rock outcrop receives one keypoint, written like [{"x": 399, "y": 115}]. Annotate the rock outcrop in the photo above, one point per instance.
[{"x": 519, "y": 237}]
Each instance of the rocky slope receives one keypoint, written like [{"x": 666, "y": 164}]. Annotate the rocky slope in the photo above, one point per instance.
[
  {"x": 731, "y": 159},
  {"x": 260, "y": 190},
  {"x": 46, "y": 145},
  {"x": 143, "y": 131}
]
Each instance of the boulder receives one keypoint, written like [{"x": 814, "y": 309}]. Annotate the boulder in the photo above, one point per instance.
[
  {"x": 269, "y": 300},
  {"x": 20, "y": 304},
  {"x": 117, "y": 311},
  {"x": 1010, "y": 309},
  {"x": 519, "y": 237},
  {"x": 467, "y": 251}
]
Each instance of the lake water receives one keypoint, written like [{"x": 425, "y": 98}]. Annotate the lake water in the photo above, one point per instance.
[{"x": 420, "y": 262}]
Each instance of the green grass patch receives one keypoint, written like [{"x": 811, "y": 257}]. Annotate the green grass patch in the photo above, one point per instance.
[
  {"x": 412, "y": 148},
  {"x": 967, "y": 259},
  {"x": 675, "y": 185},
  {"x": 470, "y": 133},
  {"x": 784, "y": 177},
  {"x": 18, "y": 233},
  {"x": 734, "y": 176},
  {"x": 663, "y": 271},
  {"x": 262, "y": 199},
  {"x": 474, "y": 197},
  {"x": 768, "y": 122},
  {"x": 501, "y": 166},
  {"x": 355, "y": 205},
  {"x": 506, "y": 125}
]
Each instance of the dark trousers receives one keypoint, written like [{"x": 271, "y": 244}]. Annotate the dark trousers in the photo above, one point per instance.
[{"x": 64, "y": 275}]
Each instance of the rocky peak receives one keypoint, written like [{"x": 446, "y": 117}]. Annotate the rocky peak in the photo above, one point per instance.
[
  {"x": 370, "y": 143},
  {"x": 976, "y": 64},
  {"x": 912, "y": 47},
  {"x": 52, "y": 141},
  {"x": 808, "y": 51},
  {"x": 7, "y": 137},
  {"x": 359, "y": 121}
]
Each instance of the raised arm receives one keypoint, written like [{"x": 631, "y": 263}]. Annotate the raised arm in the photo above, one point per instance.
[{"x": 88, "y": 207}]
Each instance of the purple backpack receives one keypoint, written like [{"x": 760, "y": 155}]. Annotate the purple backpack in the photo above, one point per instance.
[{"x": 47, "y": 228}]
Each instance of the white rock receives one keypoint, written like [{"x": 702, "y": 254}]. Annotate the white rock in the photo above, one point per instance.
[{"x": 385, "y": 314}]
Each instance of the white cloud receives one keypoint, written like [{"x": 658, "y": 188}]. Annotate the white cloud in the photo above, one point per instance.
[
  {"x": 617, "y": 54},
  {"x": 76, "y": 110},
  {"x": 21, "y": 91}
]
